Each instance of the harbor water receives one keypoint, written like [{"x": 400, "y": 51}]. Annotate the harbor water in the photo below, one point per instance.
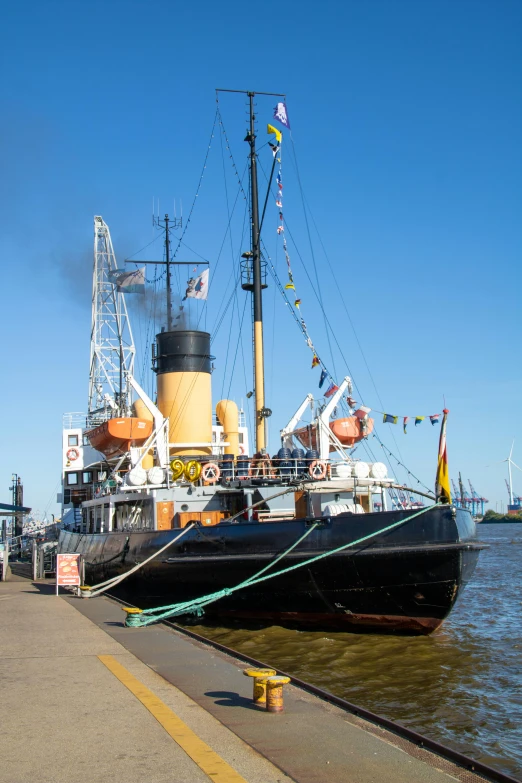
[{"x": 461, "y": 686}]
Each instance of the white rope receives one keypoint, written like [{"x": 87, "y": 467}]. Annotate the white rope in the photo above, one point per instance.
[{"x": 103, "y": 586}]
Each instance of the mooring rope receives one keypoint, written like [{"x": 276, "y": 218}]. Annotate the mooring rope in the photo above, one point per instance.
[
  {"x": 92, "y": 592},
  {"x": 149, "y": 616}
]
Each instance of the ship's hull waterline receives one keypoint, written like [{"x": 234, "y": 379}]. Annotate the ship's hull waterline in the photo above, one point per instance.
[{"x": 395, "y": 582}]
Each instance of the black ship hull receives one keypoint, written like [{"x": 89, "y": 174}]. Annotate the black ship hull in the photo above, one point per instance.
[{"x": 405, "y": 580}]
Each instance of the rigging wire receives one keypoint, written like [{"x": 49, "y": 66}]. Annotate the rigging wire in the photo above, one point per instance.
[
  {"x": 356, "y": 336},
  {"x": 232, "y": 300},
  {"x": 185, "y": 227},
  {"x": 305, "y": 333},
  {"x": 319, "y": 293}
]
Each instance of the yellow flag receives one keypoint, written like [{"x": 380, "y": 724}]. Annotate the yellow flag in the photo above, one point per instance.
[
  {"x": 278, "y": 135},
  {"x": 442, "y": 482}
]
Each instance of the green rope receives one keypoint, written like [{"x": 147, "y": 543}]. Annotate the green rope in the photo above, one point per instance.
[{"x": 196, "y": 605}]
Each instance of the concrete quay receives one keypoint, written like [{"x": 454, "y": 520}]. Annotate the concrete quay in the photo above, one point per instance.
[{"x": 84, "y": 698}]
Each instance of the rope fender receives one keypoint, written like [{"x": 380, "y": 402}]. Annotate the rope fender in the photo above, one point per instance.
[{"x": 196, "y": 605}]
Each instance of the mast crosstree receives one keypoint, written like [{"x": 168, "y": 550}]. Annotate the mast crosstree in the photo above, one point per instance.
[{"x": 112, "y": 344}]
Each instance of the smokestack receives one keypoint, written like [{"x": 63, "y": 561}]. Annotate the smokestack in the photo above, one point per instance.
[{"x": 183, "y": 364}]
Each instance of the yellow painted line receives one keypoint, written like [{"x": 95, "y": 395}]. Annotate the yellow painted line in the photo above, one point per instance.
[{"x": 207, "y": 760}]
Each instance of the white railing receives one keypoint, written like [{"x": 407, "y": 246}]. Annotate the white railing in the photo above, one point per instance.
[{"x": 74, "y": 421}]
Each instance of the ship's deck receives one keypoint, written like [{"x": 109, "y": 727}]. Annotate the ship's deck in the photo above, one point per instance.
[{"x": 71, "y": 676}]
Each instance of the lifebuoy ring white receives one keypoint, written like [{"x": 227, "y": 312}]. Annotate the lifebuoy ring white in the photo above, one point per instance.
[
  {"x": 72, "y": 454},
  {"x": 241, "y": 449},
  {"x": 210, "y": 473},
  {"x": 317, "y": 469}
]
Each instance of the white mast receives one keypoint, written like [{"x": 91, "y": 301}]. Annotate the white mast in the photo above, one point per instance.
[{"x": 112, "y": 344}]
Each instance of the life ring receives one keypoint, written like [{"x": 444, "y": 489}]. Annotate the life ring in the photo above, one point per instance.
[
  {"x": 210, "y": 473},
  {"x": 317, "y": 469},
  {"x": 192, "y": 470},
  {"x": 241, "y": 449},
  {"x": 177, "y": 467},
  {"x": 72, "y": 454}
]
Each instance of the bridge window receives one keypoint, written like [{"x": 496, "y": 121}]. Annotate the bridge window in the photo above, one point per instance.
[{"x": 72, "y": 479}]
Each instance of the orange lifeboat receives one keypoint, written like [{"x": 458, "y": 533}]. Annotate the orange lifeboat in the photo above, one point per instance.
[
  {"x": 349, "y": 431},
  {"x": 116, "y": 436}
]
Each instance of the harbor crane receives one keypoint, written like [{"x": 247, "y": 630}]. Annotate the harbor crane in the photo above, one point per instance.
[
  {"x": 456, "y": 496},
  {"x": 112, "y": 344},
  {"x": 477, "y": 499}
]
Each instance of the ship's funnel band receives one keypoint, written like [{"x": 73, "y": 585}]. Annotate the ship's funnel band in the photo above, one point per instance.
[{"x": 182, "y": 351}]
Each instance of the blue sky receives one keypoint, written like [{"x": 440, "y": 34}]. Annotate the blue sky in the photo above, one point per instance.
[{"x": 406, "y": 122}]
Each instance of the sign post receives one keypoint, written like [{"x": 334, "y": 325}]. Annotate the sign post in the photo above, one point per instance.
[{"x": 67, "y": 570}]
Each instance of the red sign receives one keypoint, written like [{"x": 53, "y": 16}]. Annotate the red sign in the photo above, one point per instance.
[{"x": 67, "y": 570}]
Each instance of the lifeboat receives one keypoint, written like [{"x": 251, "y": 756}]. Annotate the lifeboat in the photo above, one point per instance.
[
  {"x": 116, "y": 436},
  {"x": 350, "y": 430}
]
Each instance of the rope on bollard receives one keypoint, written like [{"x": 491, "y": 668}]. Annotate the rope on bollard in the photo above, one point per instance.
[{"x": 196, "y": 605}]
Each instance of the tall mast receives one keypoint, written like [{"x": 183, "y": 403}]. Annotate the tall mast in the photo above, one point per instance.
[
  {"x": 253, "y": 278},
  {"x": 167, "y": 261},
  {"x": 259, "y": 371}
]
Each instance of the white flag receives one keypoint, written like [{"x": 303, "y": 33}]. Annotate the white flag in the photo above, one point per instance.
[
  {"x": 128, "y": 282},
  {"x": 197, "y": 287}
]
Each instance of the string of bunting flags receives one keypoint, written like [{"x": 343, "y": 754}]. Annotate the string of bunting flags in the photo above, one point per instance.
[
  {"x": 281, "y": 115},
  {"x": 388, "y": 418}
]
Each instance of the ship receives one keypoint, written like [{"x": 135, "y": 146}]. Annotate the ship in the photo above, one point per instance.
[{"x": 167, "y": 487}]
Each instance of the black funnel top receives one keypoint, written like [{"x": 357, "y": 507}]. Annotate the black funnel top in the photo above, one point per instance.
[{"x": 182, "y": 351}]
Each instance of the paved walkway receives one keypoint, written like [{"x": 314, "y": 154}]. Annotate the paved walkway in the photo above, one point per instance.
[
  {"x": 66, "y": 717},
  {"x": 84, "y": 698}
]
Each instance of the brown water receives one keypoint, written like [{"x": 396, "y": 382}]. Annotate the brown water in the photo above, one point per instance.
[{"x": 461, "y": 686}]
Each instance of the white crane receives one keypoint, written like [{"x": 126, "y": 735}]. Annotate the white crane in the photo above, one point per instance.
[{"x": 112, "y": 344}]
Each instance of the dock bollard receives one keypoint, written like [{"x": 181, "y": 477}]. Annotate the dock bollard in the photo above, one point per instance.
[
  {"x": 260, "y": 677},
  {"x": 84, "y": 591},
  {"x": 131, "y": 610},
  {"x": 274, "y": 693}
]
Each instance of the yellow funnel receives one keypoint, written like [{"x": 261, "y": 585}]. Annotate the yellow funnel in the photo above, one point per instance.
[{"x": 182, "y": 363}]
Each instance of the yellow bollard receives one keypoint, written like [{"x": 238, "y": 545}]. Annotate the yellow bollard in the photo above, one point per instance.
[
  {"x": 259, "y": 675},
  {"x": 274, "y": 693},
  {"x": 131, "y": 610}
]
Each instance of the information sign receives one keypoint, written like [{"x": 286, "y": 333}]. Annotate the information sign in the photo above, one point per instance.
[{"x": 67, "y": 570}]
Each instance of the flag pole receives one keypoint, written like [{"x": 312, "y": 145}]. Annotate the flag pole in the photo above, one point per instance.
[{"x": 442, "y": 482}]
